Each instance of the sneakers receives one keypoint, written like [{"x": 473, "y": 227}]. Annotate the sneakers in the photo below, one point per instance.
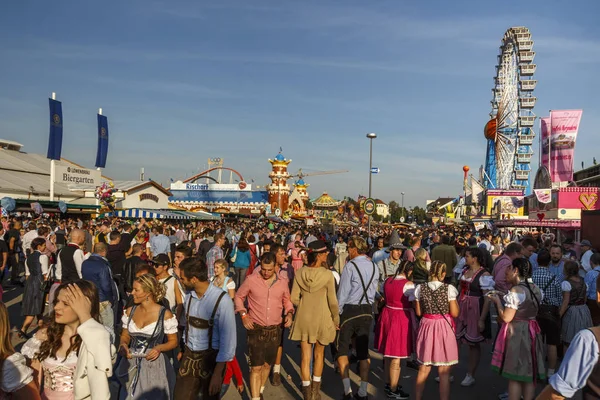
[
  {"x": 276, "y": 379},
  {"x": 437, "y": 379},
  {"x": 468, "y": 381},
  {"x": 399, "y": 394}
]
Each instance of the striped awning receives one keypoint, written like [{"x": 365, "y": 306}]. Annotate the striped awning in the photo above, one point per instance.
[
  {"x": 199, "y": 215},
  {"x": 145, "y": 213}
]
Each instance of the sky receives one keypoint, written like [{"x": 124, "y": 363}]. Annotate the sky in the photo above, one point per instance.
[{"x": 182, "y": 81}]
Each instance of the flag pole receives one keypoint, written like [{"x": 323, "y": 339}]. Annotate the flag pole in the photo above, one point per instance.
[
  {"x": 549, "y": 130},
  {"x": 52, "y": 166},
  {"x": 98, "y": 168}
]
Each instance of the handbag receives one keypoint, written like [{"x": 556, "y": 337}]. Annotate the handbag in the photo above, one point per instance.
[
  {"x": 234, "y": 256},
  {"x": 47, "y": 284},
  {"x": 546, "y": 311}
]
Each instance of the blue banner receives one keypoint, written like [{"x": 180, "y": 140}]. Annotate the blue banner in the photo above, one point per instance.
[
  {"x": 56, "y": 130},
  {"x": 102, "y": 141}
]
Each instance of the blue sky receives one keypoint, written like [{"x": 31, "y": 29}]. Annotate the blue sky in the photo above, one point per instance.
[{"x": 183, "y": 81}]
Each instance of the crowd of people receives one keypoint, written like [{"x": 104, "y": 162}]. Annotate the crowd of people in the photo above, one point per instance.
[{"x": 147, "y": 310}]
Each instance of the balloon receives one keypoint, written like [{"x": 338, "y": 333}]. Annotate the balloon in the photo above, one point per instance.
[{"x": 62, "y": 206}]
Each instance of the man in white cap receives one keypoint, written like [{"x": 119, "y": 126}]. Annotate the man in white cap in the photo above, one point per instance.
[{"x": 586, "y": 255}]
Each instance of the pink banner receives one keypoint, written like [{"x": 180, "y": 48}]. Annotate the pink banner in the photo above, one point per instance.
[{"x": 559, "y": 145}]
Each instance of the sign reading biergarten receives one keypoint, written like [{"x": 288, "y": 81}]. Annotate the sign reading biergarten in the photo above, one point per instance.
[{"x": 77, "y": 176}]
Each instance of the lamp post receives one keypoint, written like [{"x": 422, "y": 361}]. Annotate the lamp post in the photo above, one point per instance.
[
  {"x": 370, "y": 136},
  {"x": 402, "y": 193}
]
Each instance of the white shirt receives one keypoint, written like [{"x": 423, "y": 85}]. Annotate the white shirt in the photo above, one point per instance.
[
  {"x": 45, "y": 261},
  {"x": 79, "y": 257},
  {"x": 585, "y": 259},
  {"x": 27, "y": 239}
]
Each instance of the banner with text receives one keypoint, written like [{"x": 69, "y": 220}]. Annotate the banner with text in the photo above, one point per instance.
[
  {"x": 559, "y": 134},
  {"x": 78, "y": 177}
]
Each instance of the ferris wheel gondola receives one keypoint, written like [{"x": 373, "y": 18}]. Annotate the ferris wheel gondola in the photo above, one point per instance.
[{"x": 510, "y": 130}]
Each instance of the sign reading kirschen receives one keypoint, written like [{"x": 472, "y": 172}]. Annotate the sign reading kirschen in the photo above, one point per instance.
[{"x": 75, "y": 176}]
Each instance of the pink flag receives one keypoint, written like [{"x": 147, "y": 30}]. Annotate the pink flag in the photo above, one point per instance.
[{"x": 560, "y": 143}]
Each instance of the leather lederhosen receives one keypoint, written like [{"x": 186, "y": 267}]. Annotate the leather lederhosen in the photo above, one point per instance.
[{"x": 199, "y": 364}]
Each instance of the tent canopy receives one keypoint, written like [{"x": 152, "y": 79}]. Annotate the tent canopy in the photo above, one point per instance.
[{"x": 162, "y": 214}]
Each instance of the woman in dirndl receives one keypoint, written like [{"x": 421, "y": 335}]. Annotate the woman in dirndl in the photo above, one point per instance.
[
  {"x": 473, "y": 325},
  {"x": 435, "y": 302},
  {"x": 33, "y": 296},
  {"x": 144, "y": 370},
  {"x": 519, "y": 349},
  {"x": 574, "y": 312},
  {"x": 395, "y": 332}
]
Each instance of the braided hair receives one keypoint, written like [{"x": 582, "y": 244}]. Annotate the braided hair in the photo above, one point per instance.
[
  {"x": 403, "y": 268},
  {"x": 437, "y": 270},
  {"x": 524, "y": 268}
]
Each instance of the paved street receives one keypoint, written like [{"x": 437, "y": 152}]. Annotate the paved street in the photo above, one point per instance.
[{"x": 487, "y": 386}]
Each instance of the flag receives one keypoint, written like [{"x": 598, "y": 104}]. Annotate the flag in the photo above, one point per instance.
[
  {"x": 56, "y": 130},
  {"x": 477, "y": 191},
  {"x": 559, "y": 134},
  {"x": 102, "y": 141}
]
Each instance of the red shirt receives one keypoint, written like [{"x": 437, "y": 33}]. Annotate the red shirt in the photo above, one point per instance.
[{"x": 266, "y": 303}]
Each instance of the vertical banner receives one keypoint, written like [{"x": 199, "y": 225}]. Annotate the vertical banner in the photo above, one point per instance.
[
  {"x": 565, "y": 125},
  {"x": 56, "y": 130},
  {"x": 102, "y": 141},
  {"x": 559, "y": 135}
]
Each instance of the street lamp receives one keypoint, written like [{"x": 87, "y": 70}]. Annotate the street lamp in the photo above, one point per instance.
[
  {"x": 402, "y": 193},
  {"x": 370, "y": 136}
]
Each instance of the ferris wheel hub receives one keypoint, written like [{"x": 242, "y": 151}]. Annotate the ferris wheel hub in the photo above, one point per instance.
[{"x": 491, "y": 128}]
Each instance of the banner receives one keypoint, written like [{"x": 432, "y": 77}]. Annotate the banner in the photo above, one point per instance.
[
  {"x": 559, "y": 134},
  {"x": 544, "y": 196},
  {"x": 77, "y": 177},
  {"x": 56, "y": 130},
  {"x": 102, "y": 141}
]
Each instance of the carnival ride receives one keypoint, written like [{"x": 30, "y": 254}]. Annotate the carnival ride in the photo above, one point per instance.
[{"x": 509, "y": 132}]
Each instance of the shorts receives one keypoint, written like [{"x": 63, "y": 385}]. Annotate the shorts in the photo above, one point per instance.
[
  {"x": 550, "y": 330},
  {"x": 263, "y": 342},
  {"x": 355, "y": 322}
]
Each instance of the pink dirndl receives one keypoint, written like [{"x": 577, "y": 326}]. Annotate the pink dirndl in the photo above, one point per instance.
[
  {"x": 396, "y": 328},
  {"x": 436, "y": 341}
]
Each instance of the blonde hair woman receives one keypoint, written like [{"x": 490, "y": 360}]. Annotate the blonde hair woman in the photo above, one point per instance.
[
  {"x": 420, "y": 267},
  {"x": 144, "y": 367},
  {"x": 16, "y": 378},
  {"x": 221, "y": 279},
  {"x": 435, "y": 302}
]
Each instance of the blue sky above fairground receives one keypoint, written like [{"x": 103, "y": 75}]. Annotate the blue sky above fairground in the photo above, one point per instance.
[{"x": 182, "y": 81}]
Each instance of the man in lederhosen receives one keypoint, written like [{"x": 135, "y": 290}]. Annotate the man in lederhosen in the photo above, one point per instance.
[
  {"x": 210, "y": 335},
  {"x": 358, "y": 286},
  {"x": 268, "y": 298}
]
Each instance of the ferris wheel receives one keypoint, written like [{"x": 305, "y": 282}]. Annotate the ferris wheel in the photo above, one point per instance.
[{"x": 509, "y": 132}]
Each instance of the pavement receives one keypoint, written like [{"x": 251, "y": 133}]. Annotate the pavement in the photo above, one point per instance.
[{"x": 487, "y": 386}]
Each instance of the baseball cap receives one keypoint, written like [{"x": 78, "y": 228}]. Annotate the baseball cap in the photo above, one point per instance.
[{"x": 161, "y": 259}]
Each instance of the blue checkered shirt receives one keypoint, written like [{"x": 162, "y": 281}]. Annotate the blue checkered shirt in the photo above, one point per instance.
[{"x": 543, "y": 278}]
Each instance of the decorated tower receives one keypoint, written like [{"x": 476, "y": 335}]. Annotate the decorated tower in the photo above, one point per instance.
[
  {"x": 299, "y": 198},
  {"x": 278, "y": 189}
]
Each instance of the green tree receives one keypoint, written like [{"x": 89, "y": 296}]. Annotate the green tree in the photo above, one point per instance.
[{"x": 419, "y": 214}]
